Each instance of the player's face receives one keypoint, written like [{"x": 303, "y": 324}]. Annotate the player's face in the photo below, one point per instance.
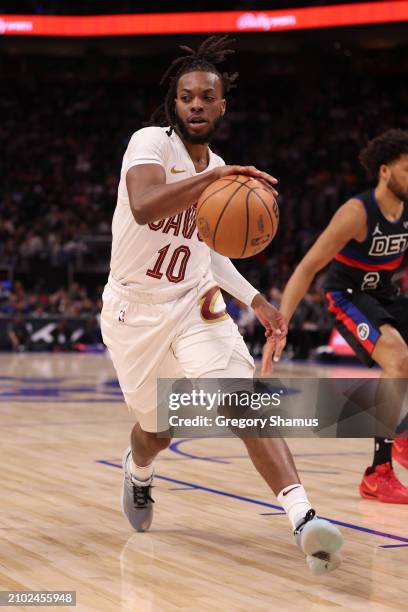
[
  {"x": 398, "y": 177},
  {"x": 199, "y": 106}
]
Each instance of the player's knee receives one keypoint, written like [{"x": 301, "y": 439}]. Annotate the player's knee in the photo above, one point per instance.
[
  {"x": 235, "y": 405},
  {"x": 397, "y": 367},
  {"x": 238, "y": 414}
]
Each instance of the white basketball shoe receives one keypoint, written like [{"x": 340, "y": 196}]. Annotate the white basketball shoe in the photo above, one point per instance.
[{"x": 320, "y": 540}]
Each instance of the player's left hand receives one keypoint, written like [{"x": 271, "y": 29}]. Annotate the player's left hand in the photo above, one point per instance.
[{"x": 270, "y": 317}]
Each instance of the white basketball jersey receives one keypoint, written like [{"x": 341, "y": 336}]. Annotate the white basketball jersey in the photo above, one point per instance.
[{"x": 164, "y": 256}]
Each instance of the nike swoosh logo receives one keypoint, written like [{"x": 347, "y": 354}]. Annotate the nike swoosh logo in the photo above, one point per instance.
[
  {"x": 174, "y": 170},
  {"x": 371, "y": 487},
  {"x": 289, "y": 490}
]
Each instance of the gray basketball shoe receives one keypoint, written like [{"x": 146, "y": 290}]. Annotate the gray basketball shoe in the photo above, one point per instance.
[
  {"x": 137, "y": 503},
  {"x": 320, "y": 540}
]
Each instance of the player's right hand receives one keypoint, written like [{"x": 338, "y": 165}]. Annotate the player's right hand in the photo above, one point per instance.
[
  {"x": 250, "y": 171},
  {"x": 272, "y": 350}
]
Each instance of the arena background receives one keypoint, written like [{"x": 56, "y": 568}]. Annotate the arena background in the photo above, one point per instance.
[{"x": 306, "y": 102}]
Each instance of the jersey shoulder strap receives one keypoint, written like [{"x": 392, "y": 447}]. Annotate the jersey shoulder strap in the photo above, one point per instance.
[{"x": 367, "y": 198}]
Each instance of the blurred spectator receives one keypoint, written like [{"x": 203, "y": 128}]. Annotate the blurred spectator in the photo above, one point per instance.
[
  {"x": 40, "y": 312},
  {"x": 233, "y": 307},
  {"x": 61, "y": 337},
  {"x": 92, "y": 333},
  {"x": 19, "y": 332},
  {"x": 66, "y": 123},
  {"x": 274, "y": 296}
]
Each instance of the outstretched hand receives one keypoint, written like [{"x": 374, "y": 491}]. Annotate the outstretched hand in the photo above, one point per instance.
[
  {"x": 271, "y": 351},
  {"x": 270, "y": 317}
]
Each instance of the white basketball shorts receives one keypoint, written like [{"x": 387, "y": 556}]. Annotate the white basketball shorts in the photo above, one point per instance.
[{"x": 190, "y": 337}]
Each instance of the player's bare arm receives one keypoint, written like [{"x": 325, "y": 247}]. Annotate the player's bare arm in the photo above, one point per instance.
[
  {"x": 349, "y": 222},
  {"x": 151, "y": 199}
]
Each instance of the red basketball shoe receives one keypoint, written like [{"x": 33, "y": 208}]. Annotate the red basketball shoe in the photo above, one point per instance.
[
  {"x": 383, "y": 485},
  {"x": 400, "y": 450}
]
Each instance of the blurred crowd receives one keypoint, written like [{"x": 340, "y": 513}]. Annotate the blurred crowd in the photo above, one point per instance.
[
  {"x": 69, "y": 317},
  {"x": 65, "y": 126},
  {"x": 73, "y": 301}
]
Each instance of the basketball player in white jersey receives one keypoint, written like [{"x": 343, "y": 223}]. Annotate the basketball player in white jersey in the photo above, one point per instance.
[{"x": 163, "y": 313}]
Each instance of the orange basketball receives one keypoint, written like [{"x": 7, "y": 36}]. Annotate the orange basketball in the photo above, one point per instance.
[{"x": 237, "y": 216}]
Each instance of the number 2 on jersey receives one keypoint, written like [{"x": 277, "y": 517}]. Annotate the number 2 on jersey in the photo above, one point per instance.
[
  {"x": 370, "y": 281},
  {"x": 182, "y": 253}
]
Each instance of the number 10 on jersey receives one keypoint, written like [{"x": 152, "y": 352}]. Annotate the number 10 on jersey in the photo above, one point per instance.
[{"x": 178, "y": 260}]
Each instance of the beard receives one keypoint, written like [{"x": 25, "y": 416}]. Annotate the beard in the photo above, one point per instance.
[
  {"x": 396, "y": 188},
  {"x": 204, "y": 138}
]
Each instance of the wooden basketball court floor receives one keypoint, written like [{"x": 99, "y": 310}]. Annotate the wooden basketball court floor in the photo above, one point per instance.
[{"x": 218, "y": 541}]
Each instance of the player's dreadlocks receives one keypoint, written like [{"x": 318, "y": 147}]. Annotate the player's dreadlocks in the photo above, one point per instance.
[
  {"x": 211, "y": 52},
  {"x": 384, "y": 149}
]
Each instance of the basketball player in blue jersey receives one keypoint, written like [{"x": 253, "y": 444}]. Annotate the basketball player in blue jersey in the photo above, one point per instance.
[{"x": 365, "y": 242}]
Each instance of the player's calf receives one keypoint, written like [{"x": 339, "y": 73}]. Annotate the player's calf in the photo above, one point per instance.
[{"x": 146, "y": 445}]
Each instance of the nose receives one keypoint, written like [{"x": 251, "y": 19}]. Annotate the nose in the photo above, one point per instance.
[{"x": 196, "y": 105}]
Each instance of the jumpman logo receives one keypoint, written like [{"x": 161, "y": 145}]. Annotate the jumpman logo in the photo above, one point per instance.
[{"x": 377, "y": 230}]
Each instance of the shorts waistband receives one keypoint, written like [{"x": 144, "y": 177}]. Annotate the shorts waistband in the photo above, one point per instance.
[{"x": 143, "y": 297}]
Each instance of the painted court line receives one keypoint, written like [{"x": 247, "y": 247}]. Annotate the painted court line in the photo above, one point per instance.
[
  {"x": 174, "y": 447},
  {"x": 257, "y": 502}
]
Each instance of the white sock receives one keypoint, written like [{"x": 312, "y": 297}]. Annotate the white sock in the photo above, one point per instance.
[
  {"x": 294, "y": 501},
  {"x": 140, "y": 473}
]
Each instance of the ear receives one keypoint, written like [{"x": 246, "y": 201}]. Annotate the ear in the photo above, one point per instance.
[
  {"x": 384, "y": 171},
  {"x": 223, "y": 106}
]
